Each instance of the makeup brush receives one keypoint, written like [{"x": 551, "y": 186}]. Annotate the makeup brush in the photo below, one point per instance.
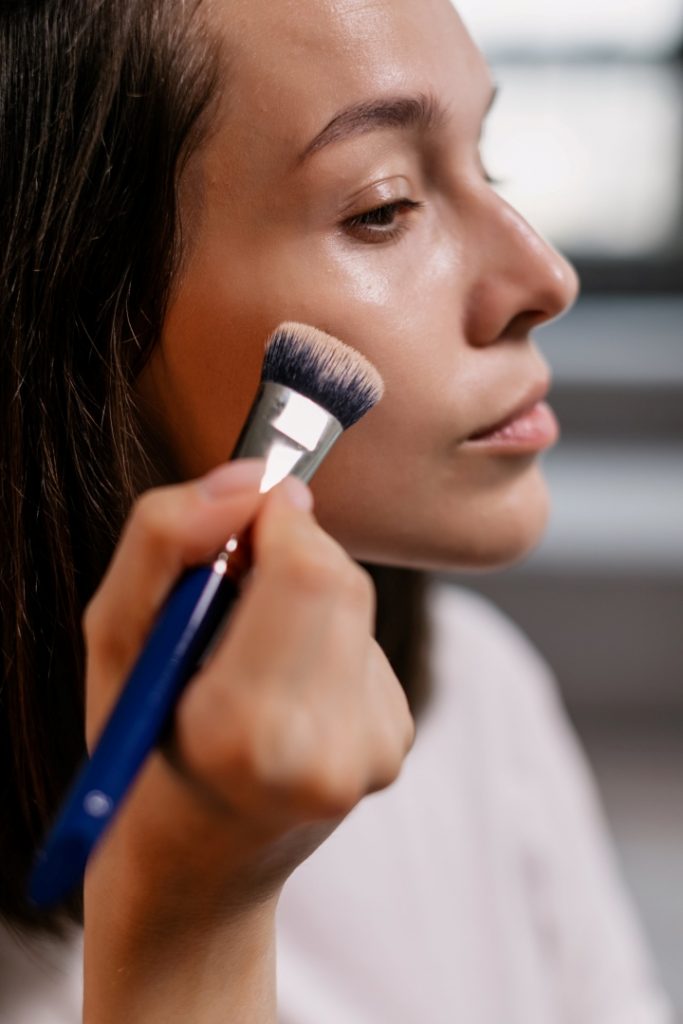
[{"x": 313, "y": 387}]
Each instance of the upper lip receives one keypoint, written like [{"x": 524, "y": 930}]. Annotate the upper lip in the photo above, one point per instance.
[{"x": 531, "y": 397}]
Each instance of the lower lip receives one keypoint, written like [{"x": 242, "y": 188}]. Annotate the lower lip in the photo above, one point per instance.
[{"x": 532, "y": 431}]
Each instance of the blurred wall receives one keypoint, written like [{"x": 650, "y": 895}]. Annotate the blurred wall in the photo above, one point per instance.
[
  {"x": 603, "y": 595},
  {"x": 587, "y": 135}
]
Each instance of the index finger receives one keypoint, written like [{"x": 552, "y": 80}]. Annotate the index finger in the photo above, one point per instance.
[{"x": 169, "y": 530}]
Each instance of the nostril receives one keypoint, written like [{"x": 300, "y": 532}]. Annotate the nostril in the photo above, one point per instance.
[{"x": 523, "y": 323}]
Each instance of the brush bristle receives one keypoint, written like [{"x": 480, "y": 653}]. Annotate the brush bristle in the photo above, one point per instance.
[{"x": 324, "y": 369}]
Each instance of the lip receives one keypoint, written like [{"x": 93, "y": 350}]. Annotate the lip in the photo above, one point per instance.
[{"x": 529, "y": 426}]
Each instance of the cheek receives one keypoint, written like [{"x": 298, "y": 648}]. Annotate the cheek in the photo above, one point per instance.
[
  {"x": 396, "y": 489},
  {"x": 437, "y": 509},
  {"x": 207, "y": 369},
  {"x": 398, "y": 301}
]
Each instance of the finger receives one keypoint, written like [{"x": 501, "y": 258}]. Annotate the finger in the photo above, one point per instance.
[
  {"x": 301, "y": 575},
  {"x": 389, "y": 719},
  {"x": 297, "y": 640},
  {"x": 169, "y": 529}
]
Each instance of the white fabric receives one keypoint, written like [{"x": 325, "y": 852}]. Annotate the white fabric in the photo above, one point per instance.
[
  {"x": 478, "y": 889},
  {"x": 40, "y": 982}
]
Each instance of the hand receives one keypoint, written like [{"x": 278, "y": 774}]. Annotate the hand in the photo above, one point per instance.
[{"x": 295, "y": 717}]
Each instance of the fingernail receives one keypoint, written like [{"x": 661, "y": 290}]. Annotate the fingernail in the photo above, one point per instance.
[
  {"x": 240, "y": 475},
  {"x": 296, "y": 493}
]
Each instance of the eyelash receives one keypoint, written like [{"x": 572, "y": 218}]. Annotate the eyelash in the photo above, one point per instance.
[{"x": 372, "y": 225}]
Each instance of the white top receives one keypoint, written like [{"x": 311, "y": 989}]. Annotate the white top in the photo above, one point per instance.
[{"x": 478, "y": 889}]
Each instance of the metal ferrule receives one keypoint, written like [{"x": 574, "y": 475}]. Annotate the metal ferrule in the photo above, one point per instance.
[{"x": 292, "y": 433}]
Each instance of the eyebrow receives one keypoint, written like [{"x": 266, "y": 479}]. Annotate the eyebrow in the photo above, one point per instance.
[{"x": 422, "y": 111}]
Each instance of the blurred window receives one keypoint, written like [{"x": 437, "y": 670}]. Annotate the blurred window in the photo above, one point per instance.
[
  {"x": 622, "y": 27},
  {"x": 587, "y": 133}
]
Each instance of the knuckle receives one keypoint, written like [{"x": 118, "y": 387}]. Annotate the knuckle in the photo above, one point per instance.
[
  {"x": 320, "y": 570},
  {"x": 358, "y": 587},
  {"x": 409, "y": 735},
  {"x": 395, "y": 754},
  {"x": 216, "y": 744},
  {"x": 237, "y": 737},
  {"x": 334, "y": 788},
  {"x": 388, "y": 766},
  {"x": 286, "y": 742},
  {"x": 151, "y": 516},
  {"x": 391, "y": 747},
  {"x": 259, "y": 755},
  {"x": 387, "y": 773},
  {"x": 310, "y": 571}
]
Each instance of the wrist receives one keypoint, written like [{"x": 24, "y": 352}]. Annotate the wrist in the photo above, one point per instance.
[{"x": 206, "y": 969}]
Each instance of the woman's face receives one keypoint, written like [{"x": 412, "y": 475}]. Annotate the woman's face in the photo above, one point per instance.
[{"x": 440, "y": 289}]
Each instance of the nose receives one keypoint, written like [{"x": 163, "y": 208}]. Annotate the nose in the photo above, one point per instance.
[{"x": 520, "y": 280}]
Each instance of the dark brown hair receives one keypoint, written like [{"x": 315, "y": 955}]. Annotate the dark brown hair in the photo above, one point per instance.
[{"x": 101, "y": 101}]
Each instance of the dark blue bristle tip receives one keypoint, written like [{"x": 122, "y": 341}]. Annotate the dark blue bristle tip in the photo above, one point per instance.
[{"x": 324, "y": 369}]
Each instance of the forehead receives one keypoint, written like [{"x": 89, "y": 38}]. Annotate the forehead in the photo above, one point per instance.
[{"x": 291, "y": 64}]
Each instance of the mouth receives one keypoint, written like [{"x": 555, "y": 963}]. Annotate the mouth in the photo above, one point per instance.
[{"x": 530, "y": 426}]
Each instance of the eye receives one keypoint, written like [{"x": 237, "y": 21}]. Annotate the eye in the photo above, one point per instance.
[{"x": 382, "y": 223}]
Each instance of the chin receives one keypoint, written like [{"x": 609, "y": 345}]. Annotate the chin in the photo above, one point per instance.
[
  {"x": 486, "y": 533},
  {"x": 503, "y": 548},
  {"x": 506, "y": 530}
]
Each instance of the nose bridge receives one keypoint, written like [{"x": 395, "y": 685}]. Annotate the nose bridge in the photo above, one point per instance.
[{"x": 529, "y": 270}]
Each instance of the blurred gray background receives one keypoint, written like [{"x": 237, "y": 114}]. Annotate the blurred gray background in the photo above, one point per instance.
[{"x": 587, "y": 135}]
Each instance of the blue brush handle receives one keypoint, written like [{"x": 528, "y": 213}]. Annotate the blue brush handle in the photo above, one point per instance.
[{"x": 186, "y": 625}]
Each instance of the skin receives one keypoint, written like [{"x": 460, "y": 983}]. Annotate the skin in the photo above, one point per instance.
[
  {"x": 297, "y": 714},
  {"x": 443, "y": 307},
  {"x": 295, "y": 717}
]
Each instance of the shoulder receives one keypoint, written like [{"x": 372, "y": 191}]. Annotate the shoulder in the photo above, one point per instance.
[
  {"x": 484, "y": 663},
  {"x": 544, "y": 808},
  {"x": 472, "y": 636},
  {"x": 486, "y": 669}
]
